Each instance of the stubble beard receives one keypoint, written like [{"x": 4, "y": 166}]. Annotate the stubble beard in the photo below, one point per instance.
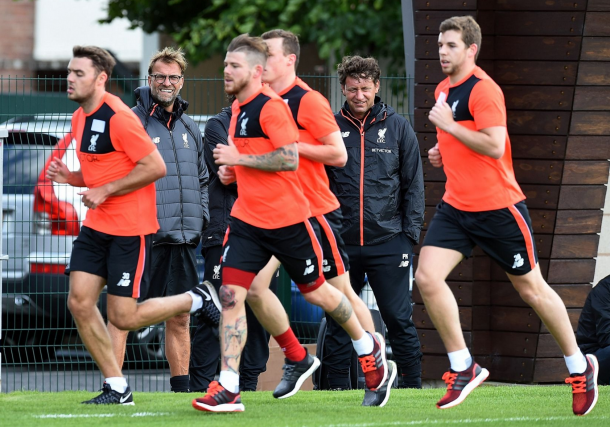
[
  {"x": 238, "y": 86},
  {"x": 155, "y": 92}
]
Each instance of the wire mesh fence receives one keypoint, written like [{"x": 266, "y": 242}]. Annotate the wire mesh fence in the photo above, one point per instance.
[{"x": 41, "y": 349}]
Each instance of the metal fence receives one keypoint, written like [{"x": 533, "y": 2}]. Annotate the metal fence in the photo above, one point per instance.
[{"x": 41, "y": 349}]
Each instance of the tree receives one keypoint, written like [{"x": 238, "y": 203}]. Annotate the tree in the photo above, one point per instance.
[{"x": 204, "y": 28}]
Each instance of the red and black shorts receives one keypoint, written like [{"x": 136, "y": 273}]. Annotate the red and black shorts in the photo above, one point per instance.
[
  {"x": 328, "y": 230},
  {"x": 247, "y": 249},
  {"x": 504, "y": 234},
  {"x": 124, "y": 261}
]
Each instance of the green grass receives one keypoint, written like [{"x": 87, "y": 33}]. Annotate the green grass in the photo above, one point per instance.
[{"x": 487, "y": 406}]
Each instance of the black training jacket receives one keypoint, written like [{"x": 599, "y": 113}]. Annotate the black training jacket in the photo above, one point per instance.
[
  {"x": 384, "y": 152},
  {"x": 222, "y": 196},
  {"x": 182, "y": 195},
  {"x": 593, "y": 331}
]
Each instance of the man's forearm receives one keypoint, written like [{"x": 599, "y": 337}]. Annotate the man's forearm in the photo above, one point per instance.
[
  {"x": 285, "y": 158},
  {"x": 139, "y": 177},
  {"x": 76, "y": 179},
  {"x": 478, "y": 141}
]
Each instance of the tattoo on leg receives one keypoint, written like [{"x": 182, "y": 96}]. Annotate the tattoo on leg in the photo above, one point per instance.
[
  {"x": 227, "y": 298},
  {"x": 234, "y": 339},
  {"x": 343, "y": 311}
]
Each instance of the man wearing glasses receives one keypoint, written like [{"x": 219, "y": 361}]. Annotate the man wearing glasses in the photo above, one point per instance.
[{"x": 182, "y": 207}]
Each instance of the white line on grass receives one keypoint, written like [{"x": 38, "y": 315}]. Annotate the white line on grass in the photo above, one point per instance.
[
  {"x": 465, "y": 421},
  {"x": 137, "y": 414}
]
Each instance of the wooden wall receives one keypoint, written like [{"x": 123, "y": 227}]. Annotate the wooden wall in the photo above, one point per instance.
[{"x": 552, "y": 60}]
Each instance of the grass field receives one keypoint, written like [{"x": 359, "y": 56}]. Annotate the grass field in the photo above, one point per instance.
[{"x": 487, "y": 406}]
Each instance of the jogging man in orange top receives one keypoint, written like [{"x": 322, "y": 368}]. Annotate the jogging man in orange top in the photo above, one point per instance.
[
  {"x": 320, "y": 143},
  {"x": 269, "y": 218},
  {"x": 483, "y": 205},
  {"x": 119, "y": 163}
]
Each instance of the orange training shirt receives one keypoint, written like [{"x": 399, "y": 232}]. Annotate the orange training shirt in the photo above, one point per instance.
[
  {"x": 314, "y": 119},
  {"x": 476, "y": 182},
  {"x": 110, "y": 140},
  {"x": 269, "y": 200}
]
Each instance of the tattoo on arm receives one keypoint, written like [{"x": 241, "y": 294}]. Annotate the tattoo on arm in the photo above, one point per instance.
[
  {"x": 343, "y": 311},
  {"x": 285, "y": 158}
]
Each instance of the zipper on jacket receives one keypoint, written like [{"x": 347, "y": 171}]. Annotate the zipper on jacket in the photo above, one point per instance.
[
  {"x": 171, "y": 136},
  {"x": 360, "y": 126}
]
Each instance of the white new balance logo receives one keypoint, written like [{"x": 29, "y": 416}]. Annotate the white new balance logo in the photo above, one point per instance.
[
  {"x": 125, "y": 281},
  {"x": 309, "y": 269},
  {"x": 518, "y": 261},
  {"x": 405, "y": 261},
  {"x": 344, "y": 134}
]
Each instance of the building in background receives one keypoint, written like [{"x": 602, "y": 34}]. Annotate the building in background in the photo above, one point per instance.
[{"x": 41, "y": 35}]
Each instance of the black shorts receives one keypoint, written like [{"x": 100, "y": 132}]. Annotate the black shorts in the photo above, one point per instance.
[
  {"x": 174, "y": 270},
  {"x": 504, "y": 234},
  {"x": 248, "y": 249},
  {"x": 124, "y": 261},
  {"x": 328, "y": 230}
]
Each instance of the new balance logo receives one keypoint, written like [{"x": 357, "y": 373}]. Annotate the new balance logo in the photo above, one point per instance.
[
  {"x": 156, "y": 139},
  {"x": 344, "y": 134},
  {"x": 125, "y": 281},
  {"x": 309, "y": 269},
  {"x": 405, "y": 261},
  {"x": 93, "y": 142},
  {"x": 518, "y": 261},
  {"x": 325, "y": 266},
  {"x": 216, "y": 275}
]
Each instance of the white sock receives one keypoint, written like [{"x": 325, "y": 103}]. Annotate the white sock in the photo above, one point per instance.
[
  {"x": 364, "y": 345},
  {"x": 576, "y": 363},
  {"x": 229, "y": 380},
  {"x": 117, "y": 384},
  {"x": 460, "y": 360},
  {"x": 197, "y": 301}
]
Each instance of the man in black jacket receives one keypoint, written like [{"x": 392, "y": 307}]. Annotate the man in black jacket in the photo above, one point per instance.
[
  {"x": 182, "y": 205},
  {"x": 381, "y": 191},
  {"x": 206, "y": 349},
  {"x": 593, "y": 333}
]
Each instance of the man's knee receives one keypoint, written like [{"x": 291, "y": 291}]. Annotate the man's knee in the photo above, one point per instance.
[
  {"x": 79, "y": 307},
  {"x": 232, "y": 296},
  {"x": 423, "y": 278},
  {"x": 122, "y": 312}
]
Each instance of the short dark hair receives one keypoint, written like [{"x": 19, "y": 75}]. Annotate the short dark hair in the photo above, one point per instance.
[
  {"x": 468, "y": 27},
  {"x": 359, "y": 68},
  {"x": 290, "y": 42},
  {"x": 169, "y": 55},
  {"x": 254, "y": 47},
  {"x": 101, "y": 58}
]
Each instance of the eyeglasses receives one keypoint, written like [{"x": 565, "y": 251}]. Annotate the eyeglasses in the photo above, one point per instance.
[{"x": 160, "y": 78}]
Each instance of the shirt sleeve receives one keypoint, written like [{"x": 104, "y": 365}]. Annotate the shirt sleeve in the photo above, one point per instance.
[
  {"x": 487, "y": 105},
  {"x": 316, "y": 116},
  {"x": 277, "y": 123},
  {"x": 128, "y": 135}
]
